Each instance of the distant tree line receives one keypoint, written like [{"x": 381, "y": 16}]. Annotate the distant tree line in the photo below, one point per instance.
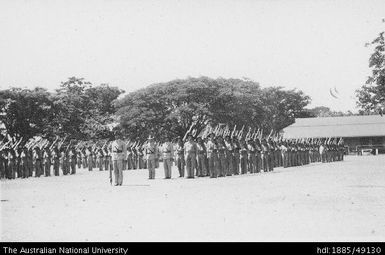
[
  {"x": 85, "y": 112},
  {"x": 76, "y": 109}
]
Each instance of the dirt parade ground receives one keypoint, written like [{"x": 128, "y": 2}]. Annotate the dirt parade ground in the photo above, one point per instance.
[{"x": 339, "y": 201}]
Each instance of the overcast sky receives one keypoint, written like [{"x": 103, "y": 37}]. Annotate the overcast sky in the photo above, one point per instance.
[{"x": 309, "y": 45}]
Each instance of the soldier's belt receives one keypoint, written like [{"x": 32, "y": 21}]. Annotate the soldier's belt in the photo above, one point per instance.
[{"x": 118, "y": 151}]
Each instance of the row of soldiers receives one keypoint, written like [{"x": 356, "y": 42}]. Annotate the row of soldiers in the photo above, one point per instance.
[
  {"x": 216, "y": 156},
  {"x": 213, "y": 155},
  {"x": 26, "y": 161}
]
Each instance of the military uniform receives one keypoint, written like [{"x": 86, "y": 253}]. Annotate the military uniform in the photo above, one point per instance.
[
  {"x": 37, "y": 162},
  {"x": 229, "y": 157},
  {"x": 11, "y": 164},
  {"x": 107, "y": 159},
  {"x": 56, "y": 161},
  {"x": 265, "y": 157},
  {"x": 117, "y": 156},
  {"x": 167, "y": 154},
  {"x": 252, "y": 159},
  {"x": 129, "y": 158},
  {"x": 179, "y": 150},
  {"x": 236, "y": 156},
  {"x": 2, "y": 164},
  {"x": 212, "y": 156},
  {"x": 89, "y": 159},
  {"x": 258, "y": 156},
  {"x": 190, "y": 150},
  {"x": 47, "y": 162},
  {"x": 72, "y": 161},
  {"x": 151, "y": 153},
  {"x": 24, "y": 163},
  {"x": 244, "y": 158},
  {"x": 100, "y": 157},
  {"x": 201, "y": 166},
  {"x": 285, "y": 156}
]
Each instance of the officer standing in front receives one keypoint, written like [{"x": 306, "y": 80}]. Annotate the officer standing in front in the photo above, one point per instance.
[
  {"x": 117, "y": 156},
  {"x": 167, "y": 153},
  {"x": 151, "y": 152}
]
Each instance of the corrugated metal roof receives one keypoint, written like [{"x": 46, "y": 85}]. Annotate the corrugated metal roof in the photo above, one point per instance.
[{"x": 349, "y": 126}]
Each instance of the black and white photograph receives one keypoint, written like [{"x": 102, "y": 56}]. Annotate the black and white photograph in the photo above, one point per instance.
[{"x": 192, "y": 121}]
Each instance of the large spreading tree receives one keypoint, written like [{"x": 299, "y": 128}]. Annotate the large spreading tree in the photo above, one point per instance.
[
  {"x": 76, "y": 109},
  {"x": 171, "y": 108}
]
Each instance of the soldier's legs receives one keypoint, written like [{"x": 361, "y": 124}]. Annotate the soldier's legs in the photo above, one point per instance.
[
  {"x": 2, "y": 172},
  {"x": 115, "y": 168},
  {"x": 180, "y": 165},
  {"x": 200, "y": 165},
  {"x": 188, "y": 166},
  {"x": 129, "y": 163},
  {"x": 37, "y": 169},
  {"x": 120, "y": 172},
  {"x": 25, "y": 170},
  {"x": 10, "y": 171},
  {"x": 151, "y": 168},
  {"x": 265, "y": 162},
  {"x": 236, "y": 164},
  {"x": 62, "y": 167},
  {"x": 84, "y": 162},
  {"x": 225, "y": 164},
  {"x": 106, "y": 164},
  {"x": 216, "y": 167},
  {"x": 244, "y": 164},
  {"x": 198, "y": 171},
  {"x": 56, "y": 168},
  {"x": 211, "y": 167},
  {"x": 124, "y": 164},
  {"x": 257, "y": 163},
  {"x": 230, "y": 165},
  {"x": 47, "y": 168},
  {"x": 89, "y": 163},
  {"x": 167, "y": 168},
  {"x": 221, "y": 165},
  {"x": 190, "y": 170},
  {"x": 101, "y": 164},
  {"x": 73, "y": 167},
  {"x": 270, "y": 162},
  {"x": 249, "y": 164},
  {"x": 254, "y": 164}
]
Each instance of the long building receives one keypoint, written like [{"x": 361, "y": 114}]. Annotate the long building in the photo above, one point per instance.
[{"x": 358, "y": 132}]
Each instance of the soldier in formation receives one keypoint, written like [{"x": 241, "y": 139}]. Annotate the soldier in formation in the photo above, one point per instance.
[{"x": 212, "y": 154}]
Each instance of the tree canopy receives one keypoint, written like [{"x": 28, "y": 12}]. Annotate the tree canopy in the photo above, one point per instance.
[
  {"x": 371, "y": 97},
  {"x": 77, "y": 109},
  {"x": 83, "y": 111},
  {"x": 171, "y": 108}
]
